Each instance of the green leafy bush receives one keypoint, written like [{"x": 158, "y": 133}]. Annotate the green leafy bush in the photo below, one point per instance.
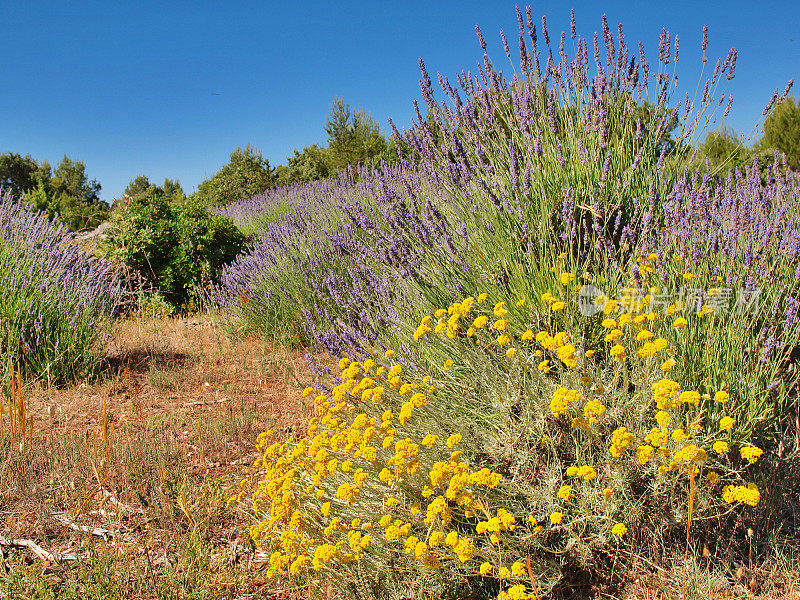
[
  {"x": 175, "y": 247},
  {"x": 247, "y": 173}
]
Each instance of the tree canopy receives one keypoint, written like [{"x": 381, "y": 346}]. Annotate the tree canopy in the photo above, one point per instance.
[
  {"x": 66, "y": 191},
  {"x": 247, "y": 173},
  {"x": 141, "y": 185},
  {"x": 782, "y": 131},
  {"x": 354, "y": 137}
]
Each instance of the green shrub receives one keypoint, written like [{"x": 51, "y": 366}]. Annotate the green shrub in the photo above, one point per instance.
[{"x": 175, "y": 247}]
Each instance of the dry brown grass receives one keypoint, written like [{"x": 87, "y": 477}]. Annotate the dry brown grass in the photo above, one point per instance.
[{"x": 149, "y": 454}]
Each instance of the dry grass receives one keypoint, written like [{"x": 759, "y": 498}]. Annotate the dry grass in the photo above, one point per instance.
[{"x": 148, "y": 455}]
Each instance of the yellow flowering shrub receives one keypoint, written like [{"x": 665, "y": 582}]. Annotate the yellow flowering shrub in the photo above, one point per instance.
[{"x": 458, "y": 459}]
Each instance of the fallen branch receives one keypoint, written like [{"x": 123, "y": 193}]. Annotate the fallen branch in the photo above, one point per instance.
[
  {"x": 96, "y": 531},
  {"x": 205, "y": 402},
  {"x": 40, "y": 552}
]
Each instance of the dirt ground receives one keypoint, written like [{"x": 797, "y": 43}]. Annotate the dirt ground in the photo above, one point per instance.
[{"x": 138, "y": 465}]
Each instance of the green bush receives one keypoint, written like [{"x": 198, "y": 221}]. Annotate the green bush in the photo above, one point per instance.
[{"x": 175, "y": 247}]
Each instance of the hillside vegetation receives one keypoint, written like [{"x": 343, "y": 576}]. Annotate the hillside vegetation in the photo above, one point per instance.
[{"x": 551, "y": 331}]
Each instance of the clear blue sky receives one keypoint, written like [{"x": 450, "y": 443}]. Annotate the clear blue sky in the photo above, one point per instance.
[{"x": 168, "y": 89}]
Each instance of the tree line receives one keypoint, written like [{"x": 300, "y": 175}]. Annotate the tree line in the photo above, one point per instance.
[{"x": 353, "y": 137}]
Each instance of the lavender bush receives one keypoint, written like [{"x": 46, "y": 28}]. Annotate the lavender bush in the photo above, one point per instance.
[
  {"x": 258, "y": 212},
  {"x": 57, "y": 298},
  {"x": 581, "y": 161},
  {"x": 332, "y": 270}
]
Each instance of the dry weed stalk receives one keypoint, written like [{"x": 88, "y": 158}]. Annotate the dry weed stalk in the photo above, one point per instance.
[{"x": 18, "y": 422}]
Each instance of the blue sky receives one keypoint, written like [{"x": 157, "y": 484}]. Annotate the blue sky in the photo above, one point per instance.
[{"x": 169, "y": 89}]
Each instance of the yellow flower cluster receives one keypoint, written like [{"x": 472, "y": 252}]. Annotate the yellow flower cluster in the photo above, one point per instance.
[
  {"x": 504, "y": 521},
  {"x": 586, "y": 472},
  {"x": 665, "y": 393},
  {"x": 516, "y": 592},
  {"x": 620, "y": 440},
  {"x": 619, "y": 529},
  {"x": 750, "y": 453},
  {"x": 748, "y": 494},
  {"x": 375, "y": 473},
  {"x": 562, "y": 398},
  {"x": 346, "y": 450}
]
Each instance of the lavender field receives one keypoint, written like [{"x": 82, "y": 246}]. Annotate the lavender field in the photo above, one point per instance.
[
  {"x": 551, "y": 347},
  {"x": 622, "y": 273}
]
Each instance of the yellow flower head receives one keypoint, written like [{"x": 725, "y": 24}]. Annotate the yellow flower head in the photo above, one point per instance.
[
  {"x": 503, "y": 339},
  {"x": 679, "y": 435},
  {"x": 720, "y": 447},
  {"x": 556, "y": 517},
  {"x": 501, "y": 325},
  {"x": 726, "y": 423},
  {"x": 689, "y": 397},
  {"x": 751, "y": 453},
  {"x": 618, "y": 352},
  {"x": 663, "y": 418},
  {"x": 480, "y": 321},
  {"x": 643, "y": 454},
  {"x": 453, "y": 440},
  {"x": 680, "y": 322},
  {"x": 619, "y": 529}
]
